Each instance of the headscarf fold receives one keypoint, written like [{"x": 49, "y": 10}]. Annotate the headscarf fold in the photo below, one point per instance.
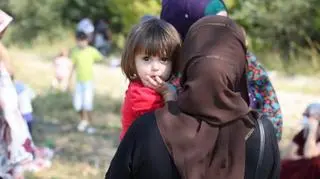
[{"x": 205, "y": 129}]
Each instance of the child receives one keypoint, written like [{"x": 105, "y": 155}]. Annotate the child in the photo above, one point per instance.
[
  {"x": 83, "y": 57},
  {"x": 149, "y": 60},
  {"x": 62, "y": 65},
  {"x": 25, "y": 97},
  {"x": 260, "y": 88}
]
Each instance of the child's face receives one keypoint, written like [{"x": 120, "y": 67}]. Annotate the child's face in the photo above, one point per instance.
[
  {"x": 82, "y": 43},
  {"x": 152, "y": 66}
]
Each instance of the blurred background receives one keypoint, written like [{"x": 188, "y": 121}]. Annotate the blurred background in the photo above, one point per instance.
[{"x": 284, "y": 34}]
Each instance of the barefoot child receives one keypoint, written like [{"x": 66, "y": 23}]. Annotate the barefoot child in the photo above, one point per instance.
[{"x": 149, "y": 62}]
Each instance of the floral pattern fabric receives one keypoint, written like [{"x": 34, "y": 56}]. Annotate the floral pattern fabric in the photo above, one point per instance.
[{"x": 262, "y": 95}]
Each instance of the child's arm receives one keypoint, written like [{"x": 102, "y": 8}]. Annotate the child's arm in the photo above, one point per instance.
[
  {"x": 70, "y": 76},
  {"x": 97, "y": 55}
]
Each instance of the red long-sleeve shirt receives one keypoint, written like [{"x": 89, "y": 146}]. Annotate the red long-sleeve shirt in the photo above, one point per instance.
[{"x": 138, "y": 101}]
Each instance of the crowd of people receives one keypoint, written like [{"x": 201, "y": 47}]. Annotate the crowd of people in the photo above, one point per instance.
[{"x": 199, "y": 105}]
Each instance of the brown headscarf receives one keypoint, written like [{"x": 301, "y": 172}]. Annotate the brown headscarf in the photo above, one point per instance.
[{"x": 205, "y": 130}]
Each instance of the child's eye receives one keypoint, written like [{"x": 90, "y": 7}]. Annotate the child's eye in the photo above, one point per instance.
[
  {"x": 146, "y": 58},
  {"x": 164, "y": 59}
]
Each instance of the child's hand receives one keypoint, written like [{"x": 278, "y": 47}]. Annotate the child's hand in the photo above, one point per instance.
[{"x": 167, "y": 90}]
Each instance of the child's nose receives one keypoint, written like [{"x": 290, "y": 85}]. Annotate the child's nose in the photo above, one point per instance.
[{"x": 155, "y": 66}]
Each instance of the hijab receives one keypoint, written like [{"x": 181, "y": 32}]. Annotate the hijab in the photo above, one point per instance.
[{"x": 205, "y": 129}]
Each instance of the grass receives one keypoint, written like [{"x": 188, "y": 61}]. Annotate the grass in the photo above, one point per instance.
[
  {"x": 297, "y": 84},
  {"x": 305, "y": 62}
]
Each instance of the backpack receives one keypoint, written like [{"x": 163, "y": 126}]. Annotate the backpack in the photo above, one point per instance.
[{"x": 262, "y": 151}]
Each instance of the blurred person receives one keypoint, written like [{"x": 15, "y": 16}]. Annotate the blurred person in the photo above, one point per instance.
[
  {"x": 62, "y": 69},
  {"x": 16, "y": 146},
  {"x": 150, "y": 57},
  {"x": 83, "y": 56},
  {"x": 25, "y": 97},
  {"x": 102, "y": 37},
  {"x": 302, "y": 157},
  {"x": 86, "y": 25}
]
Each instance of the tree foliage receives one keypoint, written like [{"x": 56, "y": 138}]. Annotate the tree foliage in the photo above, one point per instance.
[{"x": 282, "y": 24}]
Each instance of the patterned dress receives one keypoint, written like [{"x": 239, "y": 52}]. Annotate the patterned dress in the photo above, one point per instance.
[
  {"x": 16, "y": 144},
  {"x": 262, "y": 94}
]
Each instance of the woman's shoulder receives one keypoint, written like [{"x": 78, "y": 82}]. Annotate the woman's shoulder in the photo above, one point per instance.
[{"x": 144, "y": 122}]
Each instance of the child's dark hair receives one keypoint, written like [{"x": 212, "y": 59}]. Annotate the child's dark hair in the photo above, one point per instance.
[
  {"x": 81, "y": 35},
  {"x": 153, "y": 37}
]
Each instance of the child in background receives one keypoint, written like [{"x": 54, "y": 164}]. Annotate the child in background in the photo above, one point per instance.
[
  {"x": 83, "y": 57},
  {"x": 149, "y": 62},
  {"x": 25, "y": 97},
  {"x": 62, "y": 66}
]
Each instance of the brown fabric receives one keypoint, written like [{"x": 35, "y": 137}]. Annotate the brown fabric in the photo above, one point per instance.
[{"x": 205, "y": 130}]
